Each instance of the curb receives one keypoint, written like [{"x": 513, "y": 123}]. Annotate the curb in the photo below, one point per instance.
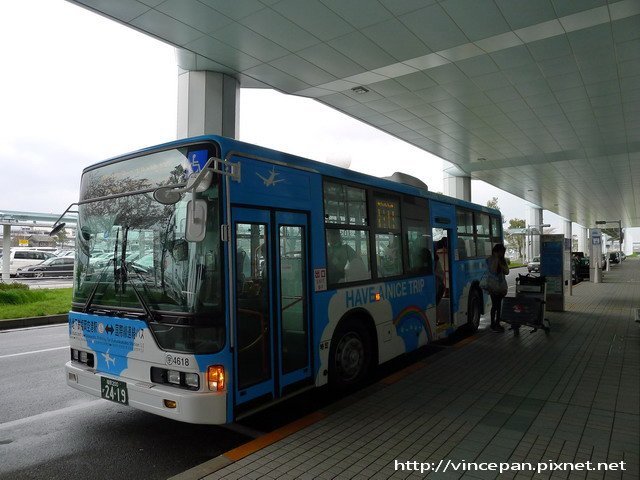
[{"x": 33, "y": 321}]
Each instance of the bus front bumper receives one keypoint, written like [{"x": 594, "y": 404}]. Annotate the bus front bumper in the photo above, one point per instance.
[{"x": 207, "y": 408}]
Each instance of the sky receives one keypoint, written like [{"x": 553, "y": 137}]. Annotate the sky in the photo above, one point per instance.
[{"x": 77, "y": 88}]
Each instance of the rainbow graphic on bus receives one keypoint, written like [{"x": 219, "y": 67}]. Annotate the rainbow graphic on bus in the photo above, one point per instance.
[{"x": 409, "y": 323}]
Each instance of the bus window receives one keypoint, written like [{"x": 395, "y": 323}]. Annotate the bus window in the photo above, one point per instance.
[
  {"x": 466, "y": 242},
  {"x": 388, "y": 254},
  {"x": 344, "y": 204},
  {"x": 496, "y": 230},
  {"x": 347, "y": 255},
  {"x": 482, "y": 230},
  {"x": 419, "y": 259}
]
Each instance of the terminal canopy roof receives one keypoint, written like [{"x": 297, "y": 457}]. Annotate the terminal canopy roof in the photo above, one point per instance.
[{"x": 540, "y": 98}]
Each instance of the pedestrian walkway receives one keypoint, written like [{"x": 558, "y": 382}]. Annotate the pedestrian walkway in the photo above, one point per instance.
[{"x": 567, "y": 397}]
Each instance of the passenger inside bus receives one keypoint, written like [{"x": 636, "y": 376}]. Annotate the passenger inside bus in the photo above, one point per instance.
[
  {"x": 441, "y": 262},
  {"x": 391, "y": 262},
  {"x": 343, "y": 263}
]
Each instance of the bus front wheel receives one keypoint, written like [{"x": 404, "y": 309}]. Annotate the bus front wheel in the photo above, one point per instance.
[{"x": 350, "y": 355}]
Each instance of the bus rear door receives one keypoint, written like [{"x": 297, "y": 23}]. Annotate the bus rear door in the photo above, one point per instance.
[
  {"x": 272, "y": 345},
  {"x": 442, "y": 221}
]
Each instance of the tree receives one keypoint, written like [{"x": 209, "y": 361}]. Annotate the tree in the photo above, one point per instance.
[
  {"x": 493, "y": 203},
  {"x": 516, "y": 240},
  {"x": 62, "y": 237}
]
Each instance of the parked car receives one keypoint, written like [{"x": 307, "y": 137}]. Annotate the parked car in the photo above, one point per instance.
[
  {"x": 534, "y": 265},
  {"x": 582, "y": 268},
  {"x": 23, "y": 257},
  {"x": 100, "y": 260},
  {"x": 622, "y": 256},
  {"x": 614, "y": 257},
  {"x": 52, "y": 267}
]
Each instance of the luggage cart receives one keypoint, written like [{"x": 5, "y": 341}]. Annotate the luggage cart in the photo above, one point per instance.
[{"x": 528, "y": 306}]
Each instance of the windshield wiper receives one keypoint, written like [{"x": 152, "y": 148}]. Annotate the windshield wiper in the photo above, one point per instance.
[
  {"x": 124, "y": 276},
  {"x": 141, "y": 300},
  {"x": 123, "y": 259},
  {"x": 115, "y": 265},
  {"x": 87, "y": 304}
]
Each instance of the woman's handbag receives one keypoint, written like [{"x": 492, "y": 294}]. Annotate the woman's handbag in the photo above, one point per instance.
[
  {"x": 484, "y": 281},
  {"x": 495, "y": 284}
]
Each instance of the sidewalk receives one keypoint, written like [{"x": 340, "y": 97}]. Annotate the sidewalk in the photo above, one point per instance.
[{"x": 570, "y": 396}]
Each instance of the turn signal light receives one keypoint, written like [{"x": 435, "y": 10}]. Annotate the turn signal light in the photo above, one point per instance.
[
  {"x": 170, "y": 403},
  {"x": 215, "y": 378}
]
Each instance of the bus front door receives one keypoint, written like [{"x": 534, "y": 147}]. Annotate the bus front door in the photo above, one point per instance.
[{"x": 272, "y": 344}]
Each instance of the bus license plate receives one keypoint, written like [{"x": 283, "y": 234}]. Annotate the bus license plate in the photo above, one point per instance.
[{"x": 114, "y": 390}]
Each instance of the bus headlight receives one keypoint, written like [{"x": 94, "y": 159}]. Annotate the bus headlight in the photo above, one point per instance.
[
  {"x": 189, "y": 380},
  {"x": 82, "y": 357},
  {"x": 216, "y": 378},
  {"x": 173, "y": 377},
  {"x": 192, "y": 380}
]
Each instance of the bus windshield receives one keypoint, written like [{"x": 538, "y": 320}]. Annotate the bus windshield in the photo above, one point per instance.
[{"x": 132, "y": 253}]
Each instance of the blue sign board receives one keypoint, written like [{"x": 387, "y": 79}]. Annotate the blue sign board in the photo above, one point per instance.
[{"x": 551, "y": 252}]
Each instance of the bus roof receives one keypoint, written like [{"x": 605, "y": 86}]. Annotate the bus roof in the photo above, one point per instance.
[{"x": 230, "y": 146}]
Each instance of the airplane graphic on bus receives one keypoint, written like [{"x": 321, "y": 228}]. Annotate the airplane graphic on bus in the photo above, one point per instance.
[{"x": 271, "y": 180}]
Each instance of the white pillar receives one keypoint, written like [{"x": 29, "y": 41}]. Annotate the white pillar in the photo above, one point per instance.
[
  {"x": 458, "y": 187},
  {"x": 6, "y": 251},
  {"x": 582, "y": 239},
  {"x": 208, "y": 103},
  {"x": 566, "y": 229},
  {"x": 534, "y": 220}
]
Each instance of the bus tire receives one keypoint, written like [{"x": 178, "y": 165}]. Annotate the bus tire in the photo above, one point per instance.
[
  {"x": 350, "y": 355},
  {"x": 474, "y": 311}
]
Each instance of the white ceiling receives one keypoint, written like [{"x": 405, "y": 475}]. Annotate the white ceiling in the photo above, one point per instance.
[{"x": 540, "y": 98}]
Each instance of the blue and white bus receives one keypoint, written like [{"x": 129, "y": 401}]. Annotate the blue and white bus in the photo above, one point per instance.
[{"x": 214, "y": 277}]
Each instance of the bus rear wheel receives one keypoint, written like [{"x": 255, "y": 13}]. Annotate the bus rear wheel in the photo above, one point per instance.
[
  {"x": 473, "y": 312},
  {"x": 350, "y": 355}
]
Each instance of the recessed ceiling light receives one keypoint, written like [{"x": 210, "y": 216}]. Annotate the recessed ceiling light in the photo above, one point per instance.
[{"x": 360, "y": 90}]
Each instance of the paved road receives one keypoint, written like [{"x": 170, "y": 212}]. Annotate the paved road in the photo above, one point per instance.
[{"x": 50, "y": 431}]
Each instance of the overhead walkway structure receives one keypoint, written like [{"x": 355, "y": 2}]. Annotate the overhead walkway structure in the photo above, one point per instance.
[
  {"x": 566, "y": 398},
  {"x": 10, "y": 218}
]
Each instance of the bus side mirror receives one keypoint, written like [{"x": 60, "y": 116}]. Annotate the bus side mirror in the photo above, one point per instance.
[
  {"x": 196, "y": 225},
  {"x": 57, "y": 228}
]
